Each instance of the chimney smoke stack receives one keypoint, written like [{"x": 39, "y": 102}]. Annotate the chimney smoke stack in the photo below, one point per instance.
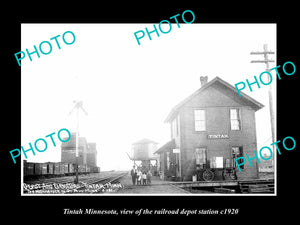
[{"x": 203, "y": 80}]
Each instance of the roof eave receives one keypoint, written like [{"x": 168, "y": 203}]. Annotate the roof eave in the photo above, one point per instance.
[
  {"x": 168, "y": 145},
  {"x": 175, "y": 110}
]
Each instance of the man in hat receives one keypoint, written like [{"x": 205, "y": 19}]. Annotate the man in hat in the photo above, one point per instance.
[{"x": 133, "y": 175}]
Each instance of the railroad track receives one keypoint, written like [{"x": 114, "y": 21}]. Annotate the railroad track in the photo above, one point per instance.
[{"x": 107, "y": 179}]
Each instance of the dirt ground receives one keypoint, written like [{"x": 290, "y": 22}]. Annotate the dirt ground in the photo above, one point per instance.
[{"x": 157, "y": 187}]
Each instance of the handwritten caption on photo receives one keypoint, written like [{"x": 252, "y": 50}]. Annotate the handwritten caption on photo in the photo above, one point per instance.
[{"x": 69, "y": 188}]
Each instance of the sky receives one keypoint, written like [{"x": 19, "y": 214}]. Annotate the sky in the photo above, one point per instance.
[{"x": 129, "y": 89}]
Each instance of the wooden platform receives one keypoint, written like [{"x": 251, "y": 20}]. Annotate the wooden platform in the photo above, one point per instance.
[
  {"x": 257, "y": 186},
  {"x": 224, "y": 183},
  {"x": 245, "y": 186}
]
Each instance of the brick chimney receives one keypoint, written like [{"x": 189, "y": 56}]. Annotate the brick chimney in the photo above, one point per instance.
[{"x": 203, "y": 80}]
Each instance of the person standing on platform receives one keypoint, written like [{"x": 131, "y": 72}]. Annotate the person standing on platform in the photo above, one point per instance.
[
  {"x": 144, "y": 176},
  {"x": 133, "y": 175},
  {"x": 149, "y": 175},
  {"x": 139, "y": 177}
]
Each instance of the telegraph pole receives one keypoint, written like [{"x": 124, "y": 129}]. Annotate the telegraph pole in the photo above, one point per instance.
[
  {"x": 78, "y": 104},
  {"x": 77, "y": 144},
  {"x": 266, "y": 60}
]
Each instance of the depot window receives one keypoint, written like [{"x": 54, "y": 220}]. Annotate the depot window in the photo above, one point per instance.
[
  {"x": 199, "y": 115},
  {"x": 200, "y": 154},
  {"x": 235, "y": 119}
]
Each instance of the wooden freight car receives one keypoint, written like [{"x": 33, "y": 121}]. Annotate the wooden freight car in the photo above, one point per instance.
[
  {"x": 95, "y": 169},
  {"x": 81, "y": 168},
  {"x": 45, "y": 169},
  {"x": 28, "y": 168},
  {"x": 55, "y": 169},
  {"x": 50, "y": 168},
  {"x": 71, "y": 168},
  {"x": 66, "y": 168},
  {"x": 40, "y": 168},
  {"x": 59, "y": 168}
]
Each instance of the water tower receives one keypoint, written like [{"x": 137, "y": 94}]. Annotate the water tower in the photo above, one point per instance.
[{"x": 143, "y": 151}]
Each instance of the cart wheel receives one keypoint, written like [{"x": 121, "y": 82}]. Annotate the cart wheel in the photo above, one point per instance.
[
  {"x": 233, "y": 175},
  {"x": 208, "y": 175}
]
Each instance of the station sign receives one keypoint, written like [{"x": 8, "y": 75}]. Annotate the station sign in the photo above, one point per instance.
[
  {"x": 217, "y": 136},
  {"x": 176, "y": 150}
]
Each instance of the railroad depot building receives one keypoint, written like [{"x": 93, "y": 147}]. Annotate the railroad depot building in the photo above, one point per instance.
[{"x": 209, "y": 129}]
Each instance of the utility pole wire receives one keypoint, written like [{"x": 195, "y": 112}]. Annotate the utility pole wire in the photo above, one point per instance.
[{"x": 266, "y": 61}]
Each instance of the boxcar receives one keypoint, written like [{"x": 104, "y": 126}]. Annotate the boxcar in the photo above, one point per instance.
[
  {"x": 24, "y": 168},
  {"x": 71, "y": 168},
  {"x": 28, "y": 168},
  {"x": 62, "y": 168},
  {"x": 55, "y": 168},
  {"x": 58, "y": 169},
  {"x": 50, "y": 168},
  {"x": 96, "y": 169},
  {"x": 88, "y": 169},
  {"x": 82, "y": 169},
  {"x": 66, "y": 168},
  {"x": 40, "y": 168}
]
